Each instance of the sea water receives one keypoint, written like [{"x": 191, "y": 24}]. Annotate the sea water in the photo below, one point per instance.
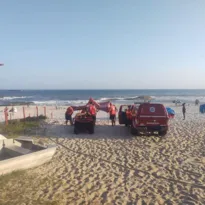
[{"x": 80, "y": 97}]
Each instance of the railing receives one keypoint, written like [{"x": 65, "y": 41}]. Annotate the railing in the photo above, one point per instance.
[{"x": 24, "y": 112}]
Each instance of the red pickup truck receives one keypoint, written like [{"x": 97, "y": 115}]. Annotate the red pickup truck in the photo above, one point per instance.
[{"x": 150, "y": 117}]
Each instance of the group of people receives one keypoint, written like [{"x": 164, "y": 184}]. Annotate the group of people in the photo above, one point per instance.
[{"x": 91, "y": 110}]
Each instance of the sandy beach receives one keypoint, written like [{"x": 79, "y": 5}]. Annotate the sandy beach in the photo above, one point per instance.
[{"x": 113, "y": 167}]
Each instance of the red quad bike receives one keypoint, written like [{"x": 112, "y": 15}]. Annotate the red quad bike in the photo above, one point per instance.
[
  {"x": 84, "y": 123},
  {"x": 150, "y": 117}
]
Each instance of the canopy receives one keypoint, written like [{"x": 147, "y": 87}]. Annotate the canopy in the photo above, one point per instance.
[
  {"x": 171, "y": 112},
  {"x": 93, "y": 102},
  {"x": 104, "y": 106}
]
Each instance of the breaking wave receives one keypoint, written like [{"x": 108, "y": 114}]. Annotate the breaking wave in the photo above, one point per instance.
[{"x": 14, "y": 97}]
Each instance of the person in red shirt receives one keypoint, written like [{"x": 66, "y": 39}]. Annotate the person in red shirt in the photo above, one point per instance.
[
  {"x": 129, "y": 116},
  {"x": 68, "y": 115},
  {"x": 112, "y": 111},
  {"x": 92, "y": 111}
]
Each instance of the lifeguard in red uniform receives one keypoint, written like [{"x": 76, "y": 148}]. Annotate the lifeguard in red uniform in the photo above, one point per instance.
[
  {"x": 92, "y": 111},
  {"x": 129, "y": 116},
  {"x": 112, "y": 111},
  {"x": 68, "y": 115}
]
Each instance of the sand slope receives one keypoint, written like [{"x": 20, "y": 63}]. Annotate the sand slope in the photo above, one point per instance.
[{"x": 113, "y": 167}]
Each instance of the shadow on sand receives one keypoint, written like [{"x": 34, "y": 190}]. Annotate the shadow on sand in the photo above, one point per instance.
[{"x": 101, "y": 132}]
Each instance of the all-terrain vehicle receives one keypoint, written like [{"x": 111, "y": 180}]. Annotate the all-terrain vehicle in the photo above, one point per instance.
[
  {"x": 150, "y": 117},
  {"x": 84, "y": 122}
]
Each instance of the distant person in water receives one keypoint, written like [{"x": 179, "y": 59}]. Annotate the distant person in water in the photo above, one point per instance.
[
  {"x": 184, "y": 110},
  {"x": 68, "y": 115}
]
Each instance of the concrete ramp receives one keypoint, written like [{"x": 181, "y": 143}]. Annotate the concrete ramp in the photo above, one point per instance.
[
  {"x": 23, "y": 154},
  {"x": 15, "y": 151},
  {"x": 2, "y": 137}
]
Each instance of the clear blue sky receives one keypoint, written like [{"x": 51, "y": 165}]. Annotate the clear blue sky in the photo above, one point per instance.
[{"x": 102, "y": 44}]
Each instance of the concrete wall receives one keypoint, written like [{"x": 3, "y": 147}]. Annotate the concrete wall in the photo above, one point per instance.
[{"x": 27, "y": 161}]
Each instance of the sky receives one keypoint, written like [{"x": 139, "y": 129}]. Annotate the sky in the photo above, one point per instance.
[{"x": 109, "y": 44}]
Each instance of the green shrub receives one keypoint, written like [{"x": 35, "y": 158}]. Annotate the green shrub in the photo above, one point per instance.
[{"x": 18, "y": 127}]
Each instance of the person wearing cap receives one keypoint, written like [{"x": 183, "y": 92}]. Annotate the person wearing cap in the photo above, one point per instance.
[{"x": 68, "y": 115}]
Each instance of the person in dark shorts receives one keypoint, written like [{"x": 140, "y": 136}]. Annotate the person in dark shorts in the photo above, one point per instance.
[
  {"x": 184, "y": 110},
  {"x": 112, "y": 111},
  {"x": 68, "y": 115}
]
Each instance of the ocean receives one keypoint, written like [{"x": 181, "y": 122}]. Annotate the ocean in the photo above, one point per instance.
[{"x": 79, "y": 97}]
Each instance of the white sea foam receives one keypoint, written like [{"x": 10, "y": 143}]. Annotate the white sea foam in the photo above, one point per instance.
[
  {"x": 61, "y": 102},
  {"x": 14, "y": 97}
]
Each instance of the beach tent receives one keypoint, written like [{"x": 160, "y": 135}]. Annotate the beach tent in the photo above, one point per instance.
[
  {"x": 202, "y": 108},
  {"x": 171, "y": 112}
]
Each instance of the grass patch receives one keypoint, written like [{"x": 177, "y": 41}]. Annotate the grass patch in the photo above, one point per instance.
[{"x": 19, "y": 127}]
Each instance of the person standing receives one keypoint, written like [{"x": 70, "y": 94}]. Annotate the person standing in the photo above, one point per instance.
[
  {"x": 128, "y": 116},
  {"x": 68, "y": 115},
  {"x": 184, "y": 110},
  {"x": 112, "y": 111},
  {"x": 92, "y": 111}
]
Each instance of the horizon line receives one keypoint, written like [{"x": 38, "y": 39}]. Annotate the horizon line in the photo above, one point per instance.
[{"x": 105, "y": 89}]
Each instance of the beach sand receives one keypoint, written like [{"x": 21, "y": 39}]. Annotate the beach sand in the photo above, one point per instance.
[{"x": 113, "y": 167}]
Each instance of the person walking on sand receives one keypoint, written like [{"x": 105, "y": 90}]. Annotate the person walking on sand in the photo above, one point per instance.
[
  {"x": 112, "y": 111},
  {"x": 68, "y": 115},
  {"x": 184, "y": 110}
]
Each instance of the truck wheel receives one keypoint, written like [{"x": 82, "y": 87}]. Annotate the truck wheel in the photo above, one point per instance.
[{"x": 162, "y": 133}]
